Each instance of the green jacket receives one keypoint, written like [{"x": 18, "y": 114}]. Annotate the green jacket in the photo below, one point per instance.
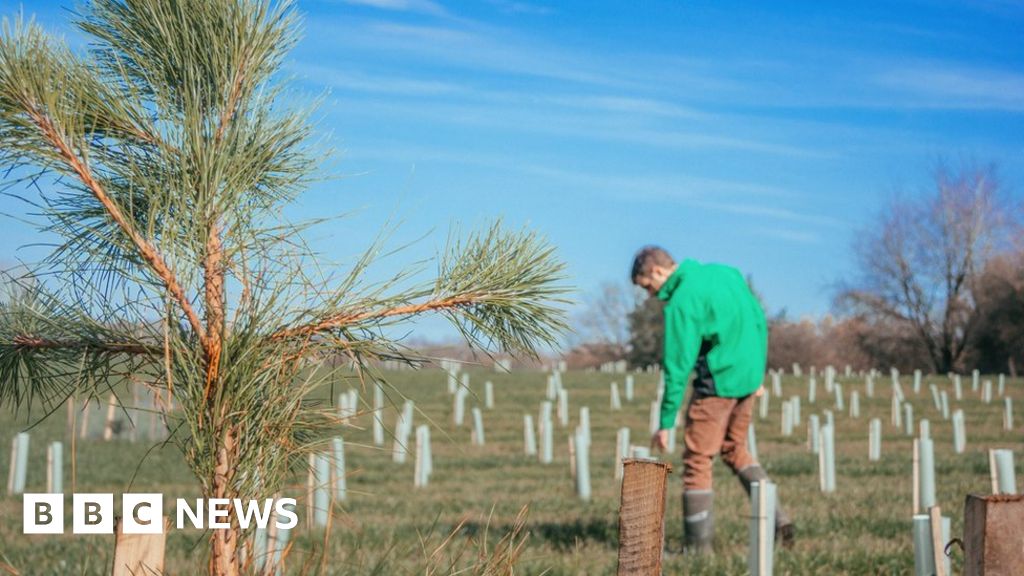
[{"x": 711, "y": 302}]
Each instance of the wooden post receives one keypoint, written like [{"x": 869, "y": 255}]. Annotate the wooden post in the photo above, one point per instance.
[
  {"x": 993, "y": 531},
  {"x": 139, "y": 554},
  {"x": 642, "y": 517},
  {"x": 488, "y": 395},
  {"x": 940, "y": 535}
]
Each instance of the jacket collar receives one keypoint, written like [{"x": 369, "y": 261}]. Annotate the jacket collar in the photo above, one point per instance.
[{"x": 673, "y": 281}]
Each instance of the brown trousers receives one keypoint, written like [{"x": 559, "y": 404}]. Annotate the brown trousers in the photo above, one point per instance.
[{"x": 715, "y": 426}]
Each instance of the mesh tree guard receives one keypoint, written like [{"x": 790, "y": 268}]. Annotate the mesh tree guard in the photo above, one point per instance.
[{"x": 642, "y": 516}]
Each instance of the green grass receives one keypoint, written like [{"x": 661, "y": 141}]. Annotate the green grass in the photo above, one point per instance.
[{"x": 388, "y": 527}]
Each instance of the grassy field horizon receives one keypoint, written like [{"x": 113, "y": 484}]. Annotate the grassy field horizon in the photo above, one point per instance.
[{"x": 386, "y": 526}]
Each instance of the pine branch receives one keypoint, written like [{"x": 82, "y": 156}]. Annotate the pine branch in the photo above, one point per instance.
[
  {"x": 28, "y": 342},
  {"x": 349, "y": 319},
  {"x": 146, "y": 250},
  {"x": 497, "y": 288}
]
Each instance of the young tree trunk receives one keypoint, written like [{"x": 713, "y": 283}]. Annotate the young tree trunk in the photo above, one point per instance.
[{"x": 224, "y": 560}]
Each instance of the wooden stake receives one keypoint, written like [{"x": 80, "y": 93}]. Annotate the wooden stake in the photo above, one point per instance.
[
  {"x": 139, "y": 554},
  {"x": 935, "y": 514}
]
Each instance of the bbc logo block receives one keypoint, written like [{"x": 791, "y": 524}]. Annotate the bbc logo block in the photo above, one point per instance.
[{"x": 92, "y": 513}]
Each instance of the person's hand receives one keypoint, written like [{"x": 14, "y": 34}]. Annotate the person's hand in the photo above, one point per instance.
[
  {"x": 760, "y": 391},
  {"x": 659, "y": 441}
]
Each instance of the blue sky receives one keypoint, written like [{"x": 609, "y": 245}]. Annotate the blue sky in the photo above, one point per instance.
[{"x": 762, "y": 135}]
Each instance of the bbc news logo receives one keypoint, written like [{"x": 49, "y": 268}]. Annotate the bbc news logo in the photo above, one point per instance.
[{"x": 143, "y": 513}]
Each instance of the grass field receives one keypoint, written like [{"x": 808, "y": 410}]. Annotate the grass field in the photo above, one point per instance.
[{"x": 388, "y": 527}]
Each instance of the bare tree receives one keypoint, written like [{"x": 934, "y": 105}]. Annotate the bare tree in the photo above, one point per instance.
[
  {"x": 919, "y": 261},
  {"x": 602, "y": 327}
]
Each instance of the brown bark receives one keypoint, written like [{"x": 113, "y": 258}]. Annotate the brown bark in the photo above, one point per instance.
[
  {"x": 224, "y": 560},
  {"x": 342, "y": 320},
  {"x": 214, "y": 281},
  {"x": 146, "y": 250}
]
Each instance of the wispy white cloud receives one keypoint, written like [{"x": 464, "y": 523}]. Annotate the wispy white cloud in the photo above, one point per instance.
[
  {"x": 939, "y": 85},
  {"x": 352, "y": 80},
  {"x": 420, "y": 6},
  {"x": 466, "y": 45},
  {"x": 773, "y": 212},
  {"x": 738, "y": 197}
]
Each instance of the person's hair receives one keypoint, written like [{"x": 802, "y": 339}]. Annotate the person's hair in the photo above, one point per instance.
[{"x": 649, "y": 257}]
